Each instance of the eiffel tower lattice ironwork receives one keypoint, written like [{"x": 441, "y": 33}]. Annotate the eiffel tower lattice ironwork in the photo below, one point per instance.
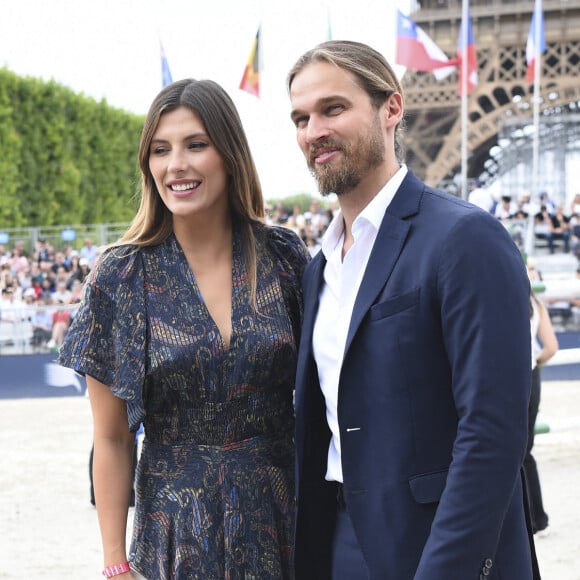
[{"x": 502, "y": 98}]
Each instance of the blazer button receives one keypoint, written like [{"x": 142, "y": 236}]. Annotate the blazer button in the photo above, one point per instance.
[{"x": 488, "y": 563}]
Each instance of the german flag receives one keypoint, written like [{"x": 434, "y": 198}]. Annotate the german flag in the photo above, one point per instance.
[{"x": 251, "y": 79}]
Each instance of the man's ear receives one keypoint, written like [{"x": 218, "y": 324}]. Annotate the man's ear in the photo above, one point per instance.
[{"x": 393, "y": 110}]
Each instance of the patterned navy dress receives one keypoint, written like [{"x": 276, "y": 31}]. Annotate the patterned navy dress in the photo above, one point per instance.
[{"x": 215, "y": 481}]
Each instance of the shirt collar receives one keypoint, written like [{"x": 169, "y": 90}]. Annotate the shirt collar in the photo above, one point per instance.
[{"x": 373, "y": 213}]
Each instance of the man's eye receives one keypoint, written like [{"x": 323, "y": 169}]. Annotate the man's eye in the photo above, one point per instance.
[
  {"x": 334, "y": 109},
  {"x": 300, "y": 122}
]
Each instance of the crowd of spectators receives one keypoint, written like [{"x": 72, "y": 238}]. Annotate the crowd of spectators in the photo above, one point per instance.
[
  {"x": 43, "y": 287},
  {"x": 557, "y": 226},
  {"x": 309, "y": 225}
]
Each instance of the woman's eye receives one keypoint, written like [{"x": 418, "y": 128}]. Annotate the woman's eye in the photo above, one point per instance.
[{"x": 198, "y": 145}]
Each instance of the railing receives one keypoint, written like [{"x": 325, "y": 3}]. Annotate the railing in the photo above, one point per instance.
[
  {"x": 61, "y": 236},
  {"x": 17, "y": 334}
]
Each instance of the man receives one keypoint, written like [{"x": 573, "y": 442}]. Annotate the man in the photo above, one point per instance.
[
  {"x": 481, "y": 197},
  {"x": 414, "y": 367}
]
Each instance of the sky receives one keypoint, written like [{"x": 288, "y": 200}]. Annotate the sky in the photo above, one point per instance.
[{"x": 110, "y": 49}]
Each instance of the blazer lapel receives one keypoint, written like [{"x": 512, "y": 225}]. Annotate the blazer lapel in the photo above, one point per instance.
[
  {"x": 386, "y": 250},
  {"x": 312, "y": 283}
]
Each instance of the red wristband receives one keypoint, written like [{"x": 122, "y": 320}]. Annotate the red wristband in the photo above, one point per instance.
[{"x": 116, "y": 569}]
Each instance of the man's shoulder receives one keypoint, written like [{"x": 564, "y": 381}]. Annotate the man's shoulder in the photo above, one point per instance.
[{"x": 447, "y": 207}]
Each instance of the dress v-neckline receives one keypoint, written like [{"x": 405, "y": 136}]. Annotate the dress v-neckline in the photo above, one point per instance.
[{"x": 236, "y": 281}]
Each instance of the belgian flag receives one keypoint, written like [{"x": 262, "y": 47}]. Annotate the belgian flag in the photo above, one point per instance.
[{"x": 251, "y": 79}]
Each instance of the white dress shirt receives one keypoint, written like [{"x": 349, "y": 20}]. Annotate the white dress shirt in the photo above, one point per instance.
[{"x": 342, "y": 280}]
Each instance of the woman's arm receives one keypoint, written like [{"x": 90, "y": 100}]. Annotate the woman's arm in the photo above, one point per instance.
[
  {"x": 112, "y": 470},
  {"x": 546, "y": 334}
]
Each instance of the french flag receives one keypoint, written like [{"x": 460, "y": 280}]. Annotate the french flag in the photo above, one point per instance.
[
  {"x": 467, "y": 53},
  {"x": 535, "y": 46},
  {"x": 166, "y": 78},
  {"x": 417, "y": 51}
]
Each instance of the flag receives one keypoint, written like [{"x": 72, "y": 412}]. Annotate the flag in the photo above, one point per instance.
[
  {"x": 535, "y": 46},
  {"x": 468, "y": 54},
  {"x": 251, "y": 79},
  {"x": 417, "y": 51},
  {"x": 166, "y": 78}
]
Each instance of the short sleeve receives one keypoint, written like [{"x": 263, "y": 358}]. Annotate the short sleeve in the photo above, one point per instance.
[
  {"x": 107, "y": 337},
  {"x": 291, "y": 257}
]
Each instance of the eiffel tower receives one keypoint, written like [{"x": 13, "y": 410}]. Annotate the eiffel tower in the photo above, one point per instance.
[{"x": 500, "y": 108}]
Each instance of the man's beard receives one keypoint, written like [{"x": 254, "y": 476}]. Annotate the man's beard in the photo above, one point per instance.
[{"x": 358, "y": 159}]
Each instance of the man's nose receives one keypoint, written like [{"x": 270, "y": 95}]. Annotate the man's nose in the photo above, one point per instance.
[{"x": 316, "y": 129}]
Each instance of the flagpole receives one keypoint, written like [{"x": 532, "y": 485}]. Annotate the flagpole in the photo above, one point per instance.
[
  {"x": 537, "y": 73},
  {"x": 464, "y": 72},
  {"x": 529, "y": 245}
]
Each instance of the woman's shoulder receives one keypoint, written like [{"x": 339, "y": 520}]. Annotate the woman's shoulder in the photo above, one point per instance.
[
  {"x": 116, "y": 264},
  {"x": 289, "y": 251},
  {"x": 286, "y": 242}
]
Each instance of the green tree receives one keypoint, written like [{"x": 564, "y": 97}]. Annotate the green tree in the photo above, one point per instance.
[
  {"x": 65, "y": 158},
  {"x": 9, "y": 163}
]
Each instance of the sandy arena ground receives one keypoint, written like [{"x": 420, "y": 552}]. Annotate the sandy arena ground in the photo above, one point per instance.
[{"x": 49, "y": 529}]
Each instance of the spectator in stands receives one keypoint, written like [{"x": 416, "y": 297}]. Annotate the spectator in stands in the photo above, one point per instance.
[
  {"x": 527, "y": 206},
  {"x": 76, "y": 292},
  {"x": 29, "y": 297},
  {"x": 313, "y": 244},
  {"x": 279, "y": 215},
  {"x": 318, "y": 219},
  {"x": 80, "y": 273},
  {"x": 547, "y": 202},
  {"x": 36, "y": 273},
  {"x": 506, "y": 208},
  {"x": 296, "y": 220},
  {"x": 575, "y": 236},
  {"x": 5, "y": 276},
  {"x": 41, "y": 320},
  {"x": 69, "y": 254},
  {"x": 11, "y": 305},
  {"x": 46, "y": 288},
  {"x": 534, "y": 274},
  {"x": 18, "y": 260},
  {"x": 42, "y": 251},
  {"x": 59, "y": 262},
  {"x": 4, "y": 255},
  {"x": 481, "y": 197},
  {"x": 89, "y": 251},
  {"x": 61, "y": 318},
  {"x": 575, "y": 206},
  {"x": 46, "y": 274},
  {"x": 556, "y": 227},
  {"x": 24, "y": 276},
  {"x": 544, "y": 347},
  {"x": 61, "y": 293}
]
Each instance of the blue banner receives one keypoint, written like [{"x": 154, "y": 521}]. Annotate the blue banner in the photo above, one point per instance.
[{"x": 38, "y": 375}]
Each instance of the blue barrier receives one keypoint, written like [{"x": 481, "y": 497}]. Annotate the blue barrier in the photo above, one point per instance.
[{"x": 38, "y": 375}]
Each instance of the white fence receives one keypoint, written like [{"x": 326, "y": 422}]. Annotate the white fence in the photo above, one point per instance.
[{"x": 17, "y": 323}]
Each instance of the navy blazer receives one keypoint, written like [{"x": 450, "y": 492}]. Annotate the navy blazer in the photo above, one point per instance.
[{"x": 432, "y": 402}]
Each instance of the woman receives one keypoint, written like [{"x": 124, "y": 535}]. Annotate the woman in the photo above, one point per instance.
[
  {"x": 190, "y": 325},
  {"x": 544, "y": 347}
]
